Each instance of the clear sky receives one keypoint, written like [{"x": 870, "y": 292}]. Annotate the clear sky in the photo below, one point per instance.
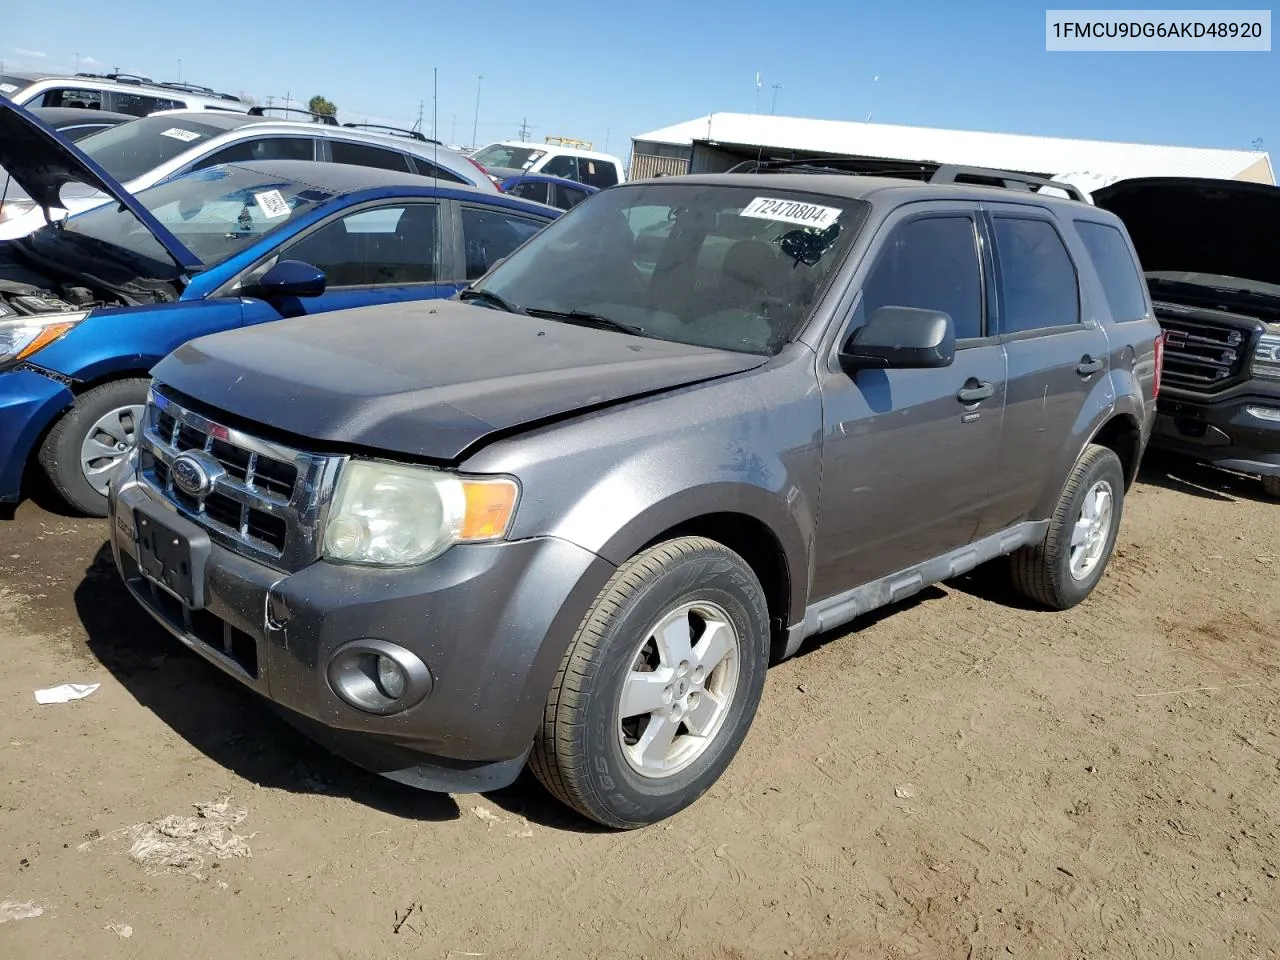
[{"x": 608, "y": 71}]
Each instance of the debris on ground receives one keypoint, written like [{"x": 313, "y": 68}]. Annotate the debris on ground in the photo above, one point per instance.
[
  {"x": 13, "y": 910},
  {"x": 486, "y": 815},
  {"x": 121, "y": 930},
  {"x": 522, "y": 825},
  {"x": 905, "y": 792},
  {"x": 183, "y": 844},
  {"x": 66, "y": 692}
]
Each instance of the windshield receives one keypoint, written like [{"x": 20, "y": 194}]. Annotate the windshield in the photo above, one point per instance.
[
  {"x": 131, "y": 149},
  {"x": 215, "y": 213},
  {"x": 737, "y": 268},
  {"x": 515, "y": 158}
]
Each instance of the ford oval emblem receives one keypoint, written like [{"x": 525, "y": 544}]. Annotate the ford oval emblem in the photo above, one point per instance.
[{"x": 190, "y": 475}]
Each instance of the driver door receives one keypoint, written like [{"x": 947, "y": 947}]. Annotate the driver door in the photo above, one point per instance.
[{"x": 908, "y": 453}]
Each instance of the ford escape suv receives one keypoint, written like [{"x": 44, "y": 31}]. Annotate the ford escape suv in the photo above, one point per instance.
[{"x": 691, "y": 423}]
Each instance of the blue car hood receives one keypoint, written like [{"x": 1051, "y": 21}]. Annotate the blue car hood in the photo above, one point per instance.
[{"x": 41, "y": 162}]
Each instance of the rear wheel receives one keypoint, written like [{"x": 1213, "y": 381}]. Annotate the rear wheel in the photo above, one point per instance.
[
  {"x": 1067, "y": 564},
  {"x": 1271, "y": 486},
  {"x": 655, "y": 694},
  {"x": 91, "y": 441}
]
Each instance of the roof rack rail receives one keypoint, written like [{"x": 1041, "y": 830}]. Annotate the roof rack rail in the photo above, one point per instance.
[
  {"x": 314, "y": 117},
  {"x": 394, "y": 131},
  {"x": 188, "y": 87},
  {"x": 985, "y": 176},
  {"x": 935, "y": 173},
  {"x": 119, "y": 77}
]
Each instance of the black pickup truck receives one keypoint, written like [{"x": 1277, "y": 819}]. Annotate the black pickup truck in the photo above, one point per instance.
[{"x": 1211, "y": 252}]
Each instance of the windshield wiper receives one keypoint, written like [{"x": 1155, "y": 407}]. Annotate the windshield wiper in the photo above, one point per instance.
[
  {"x": 502, "y": 303},
  {"x": 584, "y": 319}
]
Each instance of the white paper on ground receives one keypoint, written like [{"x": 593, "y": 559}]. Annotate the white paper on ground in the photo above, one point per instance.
[
  {"x": 12, "y": 910},
  {"x": 66, "y": 693}
]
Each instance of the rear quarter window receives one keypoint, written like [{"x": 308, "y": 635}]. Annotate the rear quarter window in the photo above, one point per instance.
[{"x": 1121, "y": 283}]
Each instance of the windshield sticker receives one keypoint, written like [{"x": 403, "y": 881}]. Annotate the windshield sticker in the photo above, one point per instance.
[
  {"x": 790, "y": 211},
  {"x": 186, "y": 136},
  {"x": 8, "y": 87},
  {"x": 272, "y": 204}
]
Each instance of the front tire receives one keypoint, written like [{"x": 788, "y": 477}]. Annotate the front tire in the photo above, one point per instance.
[
  {"x": 658, "y": 688},
  {"x": 91, "y": 440},
  {"x": 1063, "y": 569}
]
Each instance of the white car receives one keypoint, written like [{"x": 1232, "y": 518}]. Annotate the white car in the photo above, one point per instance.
[
  {"x": 512, "y": 158},
  {"x": 151, "y": 150},
  {"x": 114, "y": 92}
]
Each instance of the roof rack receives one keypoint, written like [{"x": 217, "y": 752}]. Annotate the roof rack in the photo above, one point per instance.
[
  {"x": 314, "y": 117},
  {"x": 197, "y": 88},
  {"x": 119, "y": 77},
  {"x": 394, "y": 131},
  {"x": 941, "y": 173}
]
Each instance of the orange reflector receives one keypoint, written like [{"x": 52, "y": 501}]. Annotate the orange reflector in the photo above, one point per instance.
[
  {"x": 45, "y": 337},
  {"x": 489, "y": 507}
]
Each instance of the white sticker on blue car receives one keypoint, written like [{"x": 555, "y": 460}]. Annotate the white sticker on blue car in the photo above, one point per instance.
[
  {"x": 272, "y": 204},
  {"x": 186, "y": 136},
  {"x": 792, "y": 211}
]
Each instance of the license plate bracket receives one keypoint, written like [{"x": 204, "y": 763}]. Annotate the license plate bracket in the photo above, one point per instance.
[{"x": 172, "y": 553}]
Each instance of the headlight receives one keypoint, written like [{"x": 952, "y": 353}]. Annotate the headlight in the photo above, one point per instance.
[
  {"x": 1266, "y": 356},
  {"x": 23, "y": 336},
  {"x": 389, "y": 514},
  {"x": 12, "y": 209}
]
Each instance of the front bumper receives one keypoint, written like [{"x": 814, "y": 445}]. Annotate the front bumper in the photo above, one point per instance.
[
  {"x": 491, "y": 622},
  {"x": 29, "y": 402},
  {"x": 1223, "y": 432}
]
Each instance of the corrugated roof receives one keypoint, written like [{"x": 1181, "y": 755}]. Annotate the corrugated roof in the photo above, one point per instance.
[{"x": 1094, "y": 161}]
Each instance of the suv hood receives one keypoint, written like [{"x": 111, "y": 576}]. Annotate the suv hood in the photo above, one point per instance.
[
  {"x": 428, "y": 379},
  {"x": 41, "y": 162},
  {"x": 1225, "y": 227}
]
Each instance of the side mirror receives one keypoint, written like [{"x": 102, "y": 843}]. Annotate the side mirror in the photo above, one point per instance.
[
  {"x": 901, "y": 337},
  {"x": 289, "y": 278}
]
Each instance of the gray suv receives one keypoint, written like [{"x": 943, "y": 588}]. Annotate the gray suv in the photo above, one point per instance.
[{"x": 569, "y": 520}]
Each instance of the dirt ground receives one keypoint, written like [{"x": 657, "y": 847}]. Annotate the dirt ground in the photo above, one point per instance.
[{"x": 960, "y": 777}]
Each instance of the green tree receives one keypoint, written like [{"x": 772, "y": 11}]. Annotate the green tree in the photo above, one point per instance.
[{"x": 322, "y": 107}]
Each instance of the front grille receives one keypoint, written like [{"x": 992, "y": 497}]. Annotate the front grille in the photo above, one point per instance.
[
  {"x": 265, "y": 500},
  {"x": 1206, "y": 350}
]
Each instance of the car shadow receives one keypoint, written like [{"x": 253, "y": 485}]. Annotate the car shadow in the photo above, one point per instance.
[
  {"x": 226, "y": 722},
  {"x": 1184, "y": 475}
]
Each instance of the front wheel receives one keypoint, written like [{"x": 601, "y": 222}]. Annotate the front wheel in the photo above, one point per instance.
[
  {"x": 91, "y": 441},
  {"x": 658, "y": 688},
  {"x": 1063, "y": 569}
]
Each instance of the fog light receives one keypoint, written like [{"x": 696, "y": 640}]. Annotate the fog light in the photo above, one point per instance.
[
  {"x": 377, "y": 676},
  {"x": 1264, "y": 413}
]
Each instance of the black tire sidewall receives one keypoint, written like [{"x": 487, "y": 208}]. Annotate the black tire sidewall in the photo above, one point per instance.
[
  {"x": 60, "y": 456},
  {"x": 710, "y": 576},
  {"x": 1104, "y": 466}
]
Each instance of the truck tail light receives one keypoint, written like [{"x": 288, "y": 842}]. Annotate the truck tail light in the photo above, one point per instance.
[{"x": 1155, "y": 390}]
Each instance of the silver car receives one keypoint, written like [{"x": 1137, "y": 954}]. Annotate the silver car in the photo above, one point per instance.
[{"x": 157, "y": 148}]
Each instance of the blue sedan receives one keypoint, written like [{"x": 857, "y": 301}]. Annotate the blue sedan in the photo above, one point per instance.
[
  {"x": 555, "y": 191},
  {"x": 89, "y": 305}
]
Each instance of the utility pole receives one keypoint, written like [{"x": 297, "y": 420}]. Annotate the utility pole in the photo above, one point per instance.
[
  {"x": 757, "y": 107},
  {"x": 77, "y": 63},
  {"x": 606, "y": 138},
  {"x": 179, "y": 69},
  {"x": 453, "y": 129},
  {"x": 524, "y": 129},
  {"x": 776, "y": 88},
  {"x": 418, "y": 123},
  {"x": 475, "y": 126}
]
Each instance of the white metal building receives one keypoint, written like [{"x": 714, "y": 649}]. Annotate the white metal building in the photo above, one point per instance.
[{"x": 716, "y": 142}]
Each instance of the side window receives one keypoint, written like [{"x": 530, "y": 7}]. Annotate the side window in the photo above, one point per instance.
[
  {"x": 567, "y": 197},
  {"x": 363, "y": 155},
  {"x": 426, "y": 168},
  {"x": 932, "y": 264},
  {"x": 531, "y": 190},
  {"x": 562, "y": 166},
  {"x": 1110, "y": 256},
  {"x": 140, "y": 106},
  {"x": 490, "y": 235},
  {"x": 266, "y": 148},
  {"x": 1038, "y": 285},
  {"x": 378, "y": 247},
  {"x": 70, "y": 97},
  {"x": 598, "y": 173}
]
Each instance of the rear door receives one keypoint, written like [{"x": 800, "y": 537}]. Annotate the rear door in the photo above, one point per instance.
[
  {"x": 486, "y": 235},
  {"x": 1057, "y": 353},
  {"x": 907, "y": 454}
]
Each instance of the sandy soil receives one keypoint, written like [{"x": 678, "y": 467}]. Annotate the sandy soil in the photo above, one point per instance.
[{"x": 959, "y": 777}]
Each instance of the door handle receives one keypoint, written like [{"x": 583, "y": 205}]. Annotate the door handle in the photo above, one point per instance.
[
  {"x": 1088, "y": 365},
  {"x": 975, "y": 393}
]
